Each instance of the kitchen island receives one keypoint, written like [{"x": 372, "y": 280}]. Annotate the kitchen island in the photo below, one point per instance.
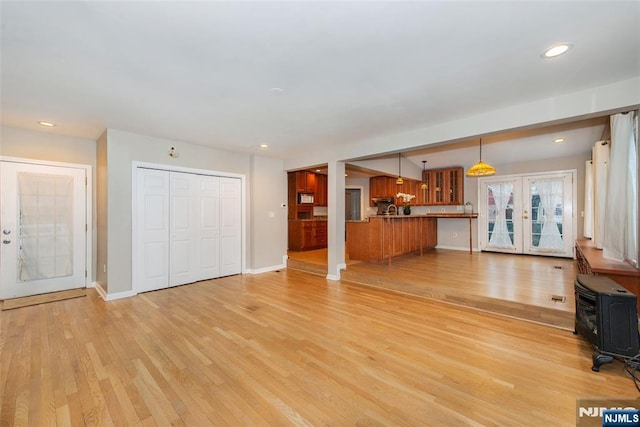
[{"x": 383, "y": 237}]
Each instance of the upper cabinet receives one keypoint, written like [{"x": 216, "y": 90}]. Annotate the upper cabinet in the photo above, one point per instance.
[
  {"x": 321, "y": 190},
  {"x": 305, "y": 181},
  {"x": 444, "y": 186},
  {"x": 383, "y": 187},
  {"x": 438, "y": 187}
]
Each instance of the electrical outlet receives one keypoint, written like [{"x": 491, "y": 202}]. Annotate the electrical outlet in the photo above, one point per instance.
[{"x": 459, "y": 208}]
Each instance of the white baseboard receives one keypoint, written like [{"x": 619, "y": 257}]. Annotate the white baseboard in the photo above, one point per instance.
[
  {"x": 266, "y": 269},
  {"x": 110, "y": 297},
  {"x": 457, "y": 248}
]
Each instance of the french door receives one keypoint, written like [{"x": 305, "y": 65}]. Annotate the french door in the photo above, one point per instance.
[
  {"x": 530, "y": 214},
  {"x": 43, "y": 222}
]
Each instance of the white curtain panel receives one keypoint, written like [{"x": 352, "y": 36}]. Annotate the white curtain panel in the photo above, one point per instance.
[
  {"x": 46, "y": 215},
  {"x": 620, "y": 229},
  {"x": 600, "y": 156},
  {"x": 588, "y": 200},
  {"x": 502, "y": 193},
  {"x": 550, "y": 192}
]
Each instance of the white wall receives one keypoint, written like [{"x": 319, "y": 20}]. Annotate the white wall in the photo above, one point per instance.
[
  {"x": 49, "y": 146},
  {"x": 268, "y": 217},
  {"x": 122, "y": 149},
  {"x": 101, "y": 211}
]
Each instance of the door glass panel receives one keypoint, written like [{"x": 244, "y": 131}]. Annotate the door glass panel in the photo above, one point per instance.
[
  {"x": 546, "y": 214},
  {"x": 45, "y": 229},
  {"x": 500, "y": 214}
]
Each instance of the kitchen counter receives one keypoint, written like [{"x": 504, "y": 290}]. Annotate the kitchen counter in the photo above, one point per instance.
[{"x": 384, "y": 237}]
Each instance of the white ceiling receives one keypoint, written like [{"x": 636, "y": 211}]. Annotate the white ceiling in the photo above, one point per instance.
[{"x": 204, "y": 72}]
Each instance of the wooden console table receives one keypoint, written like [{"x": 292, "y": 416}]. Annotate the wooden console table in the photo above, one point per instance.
[{"x": 591, "y": 261}]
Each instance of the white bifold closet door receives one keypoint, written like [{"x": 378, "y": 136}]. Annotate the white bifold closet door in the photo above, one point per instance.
[{"x": 188, "y": 228}]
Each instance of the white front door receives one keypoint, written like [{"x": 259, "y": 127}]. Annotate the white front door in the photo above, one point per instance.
[
  {"x": 531, "y": 214},
  {"x": 43, "y": 221}
]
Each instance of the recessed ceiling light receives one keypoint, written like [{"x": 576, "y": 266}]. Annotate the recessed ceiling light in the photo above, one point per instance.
[
  {"x": 558, "y": 140},
  {"x": 317, "y": 170},
  {"x": 556, "y": 50},
  {"x": 277, "y": 90},
  {"x": 264, "y": 146},
  {"x": 47, "y": 124}
]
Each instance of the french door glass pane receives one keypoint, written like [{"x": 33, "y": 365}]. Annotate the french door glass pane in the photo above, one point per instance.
[
  {"x": 500, "y": 214},
  {"x": 546, "y": 214}
]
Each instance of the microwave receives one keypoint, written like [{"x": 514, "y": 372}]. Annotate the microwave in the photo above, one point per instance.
[{"x": 304, "y": 198}]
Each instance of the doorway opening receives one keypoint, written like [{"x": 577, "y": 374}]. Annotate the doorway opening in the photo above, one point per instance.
[{"x": 353, "y": 204}]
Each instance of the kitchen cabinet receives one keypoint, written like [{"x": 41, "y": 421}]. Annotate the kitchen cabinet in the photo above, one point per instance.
[
  {"x": 307, "y": 235},
  {"x": 295, "y": 180},
  {"x": 320, "y": 198},
  {"x": 444, "y": 186},
  {"x": 305, "y": 181},
  {"x": 382, "y": 238},
  {"x": 384, "y": 187},
  {"x": 377, "y": 187}
]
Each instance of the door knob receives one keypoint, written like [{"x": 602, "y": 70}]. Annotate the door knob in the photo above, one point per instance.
[
  {"x": 6, "y": 231},
  {"x": 6, "y": 242},
  {"x": 525, "y": 217}
]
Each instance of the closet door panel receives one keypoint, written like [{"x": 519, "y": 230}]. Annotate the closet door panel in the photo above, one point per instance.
[
  {"x": 183, "y": 250},
  {"x": 230, "y": 226},
  {"x": 152, "y": 225},
  {"x": 208, "y": 229}
]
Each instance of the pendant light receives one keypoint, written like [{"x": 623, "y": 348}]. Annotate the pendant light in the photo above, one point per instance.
[
  {"x": 481, "y": 168},
  {"x": 399, "y": 181},
  {"x": 423, "y": 186}
]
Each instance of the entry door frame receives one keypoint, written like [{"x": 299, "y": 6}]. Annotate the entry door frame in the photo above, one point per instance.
[
  {"x": 518, "y": 210},
  {"x": 171, "y": 168},
  {"x": 89, "y": 220}
]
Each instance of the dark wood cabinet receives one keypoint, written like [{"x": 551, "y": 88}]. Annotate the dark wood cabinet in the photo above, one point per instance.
[
  {"x": 321, "y": 190},
  {"x": 444, "y": 186},
  {"x": 305, "y": 181},
  {"x": 381, "y": 238},
  {"x": 385, "y": 187},
  {"x": 307, "y": 235},
  {"x": 298, "y": 182}
]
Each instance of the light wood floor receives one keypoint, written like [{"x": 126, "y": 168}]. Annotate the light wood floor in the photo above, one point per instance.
[
  {"x": 514, "y": 285},
  {"x": 288, "y": 348}
]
